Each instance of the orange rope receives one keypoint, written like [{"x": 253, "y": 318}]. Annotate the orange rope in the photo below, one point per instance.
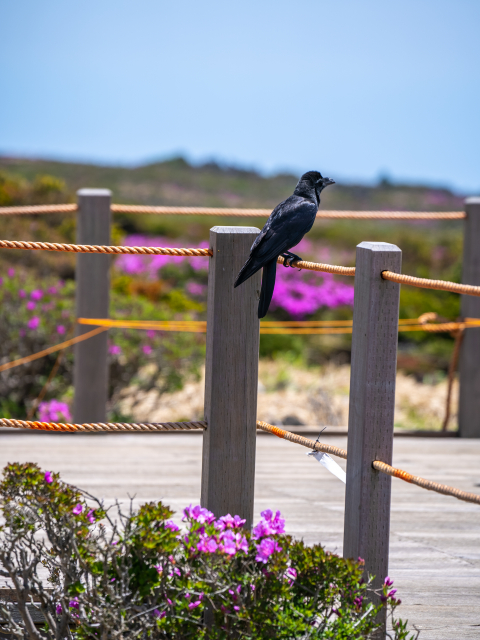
[
  {"x": 425, "y": 283},
  {"x": 316, "y": 266},
  {"x": 57, "y": 347},
  {"x": 298, "y": 327},
  {"x": 426, "y": 484},
  {"x": 38, "y": 208},
  {"x": 263, "y": 213},
  {"x": 89, "y": 248},
  {"x": 102, "y": 426},
  {"x": 235, "y": 212},
  {"x": 379, "y": 466},
  {"x": 305, "y": 442}
]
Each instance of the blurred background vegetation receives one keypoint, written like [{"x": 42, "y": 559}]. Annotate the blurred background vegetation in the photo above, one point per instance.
[{"x": 430, "y": 249}]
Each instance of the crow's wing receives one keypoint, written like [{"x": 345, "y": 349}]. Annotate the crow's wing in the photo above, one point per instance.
[{"x": 287, "y": 225}]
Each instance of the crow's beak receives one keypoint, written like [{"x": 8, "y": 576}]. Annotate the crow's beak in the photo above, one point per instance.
[{"x": 327, "y": 182}]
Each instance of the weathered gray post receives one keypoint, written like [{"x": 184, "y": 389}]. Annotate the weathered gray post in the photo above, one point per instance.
[
  {"x": 372, "y": 401},
  {"x": 90, "y": 374},
  {"x": 469, "y": 367},
  {"x": 231, "y": 377}
]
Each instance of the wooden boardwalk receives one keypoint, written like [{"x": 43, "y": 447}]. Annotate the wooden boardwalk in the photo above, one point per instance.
[{"x": 435, "y": 540}]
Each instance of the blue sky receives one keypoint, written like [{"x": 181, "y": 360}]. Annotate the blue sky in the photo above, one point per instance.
[{"x": 351, "y": 88}]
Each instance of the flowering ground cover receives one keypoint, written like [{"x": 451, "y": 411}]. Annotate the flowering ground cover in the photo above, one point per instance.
[
  {"x": 110, "y": 573},
  {"x": 36, "y": 313}
]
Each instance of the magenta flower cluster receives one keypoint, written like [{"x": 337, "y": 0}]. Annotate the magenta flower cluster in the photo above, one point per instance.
[
  {"x": 32, "y": 299},
  {"x": 54, "y": 411},
  {"x": 269, "y": 525},
  {"x": 227, "y": 535},
  {"x": 150, "y": 265},
  {"x": 299, "y": 293}
]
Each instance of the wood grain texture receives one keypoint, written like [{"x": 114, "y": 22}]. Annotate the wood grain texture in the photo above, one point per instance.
[
  {"x": 371, "y": 409},
  {"x": 92, "y": 301},
  {"x": 469, "y": 366},
  {"x": 231, "y": 377}
]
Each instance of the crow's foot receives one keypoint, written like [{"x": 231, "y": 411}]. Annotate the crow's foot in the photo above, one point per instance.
[{"x": 289, "y": 257}]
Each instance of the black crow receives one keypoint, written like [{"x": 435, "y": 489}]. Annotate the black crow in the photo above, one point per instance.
[{"x": 286, "y": 226}]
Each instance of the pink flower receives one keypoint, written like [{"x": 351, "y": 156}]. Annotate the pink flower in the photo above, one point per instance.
[
  {"x": 196, "y": 289},
  {"x": 168, "y": 524},
  {"x": 150, "y": 333},
  {"x": 61, "y": 329},
  {"x": 36, "y": 294},
  {"x": 229, "y": 522},
  {"x": 22, "y": 293},
  {"x": 91, "y": 516},
  {"x": 52, "y": 290},
  {"x": 30, "y": 305},
  {"x": 207, "y": 545},
  {"x": 156, "y": 613},
  {"x": 199, "y": 514},
  {"x": 53, "y": 411},
  {"x": 73, "y": 604},
  {"x": 195, "y": 604},
  {"x": 269, "y": 525},
  {"x": 33, "y": 323},
  {"x": 265, "y": 549},
  {"x": 59, "y": 610},
  {"x": 147, "y": 349},
  {"x": 77, "y": 509},
  {"x": 48, "y": 477},
  {"x": 114, "y": 349},
  {"x": 11, "y": 273}
]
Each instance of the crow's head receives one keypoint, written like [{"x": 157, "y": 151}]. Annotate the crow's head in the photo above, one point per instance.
[{"x": 312, "y": 181}]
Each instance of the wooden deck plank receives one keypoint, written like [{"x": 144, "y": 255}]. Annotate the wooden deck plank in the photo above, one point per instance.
[{"x": 435, "y": 539}]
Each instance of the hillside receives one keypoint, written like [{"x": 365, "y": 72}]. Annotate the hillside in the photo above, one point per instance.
[{"x": 176, "y": 182}]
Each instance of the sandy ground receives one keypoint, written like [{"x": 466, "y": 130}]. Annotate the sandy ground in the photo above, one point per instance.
[{"x": 292, "y": 396}]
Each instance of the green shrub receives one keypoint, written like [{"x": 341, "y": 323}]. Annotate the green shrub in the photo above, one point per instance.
[{"x": 116, "y": 574}]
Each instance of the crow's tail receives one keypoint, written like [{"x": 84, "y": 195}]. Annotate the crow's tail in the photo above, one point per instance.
[
  {"x": 268, "y": 285},
  {"x": 249, "y": 268}
]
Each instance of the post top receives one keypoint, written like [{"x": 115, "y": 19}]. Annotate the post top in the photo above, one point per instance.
[
  {"x": 234, "y": 230},
  {"x": 98, "y": 193},
  {"x": 378, "y": 246},
  {"x": 472, "y": 200}
]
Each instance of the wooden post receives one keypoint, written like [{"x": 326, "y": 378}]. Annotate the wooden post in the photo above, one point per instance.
[
  {"x": 92, "y": 301},
  {"x": 231, "y": 377},
  {"x": 469, "y": 368},
  {"x": 372, "y": 401}
]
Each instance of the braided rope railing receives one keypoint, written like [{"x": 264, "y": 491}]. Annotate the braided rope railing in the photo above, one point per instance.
[
  {"x": 425, "y": 283},
  {"x": 95, "y": 248},
  {"x": 304, "y": 442},
  {"x": 429, "y": 485},
  {"x": 38, "y": 208},
  {"x": 238, "y": 213},
  {"x": 379, "y": 466},
  {"x": 115, "y": 427},
  {"x": 318, "y": 266}
]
